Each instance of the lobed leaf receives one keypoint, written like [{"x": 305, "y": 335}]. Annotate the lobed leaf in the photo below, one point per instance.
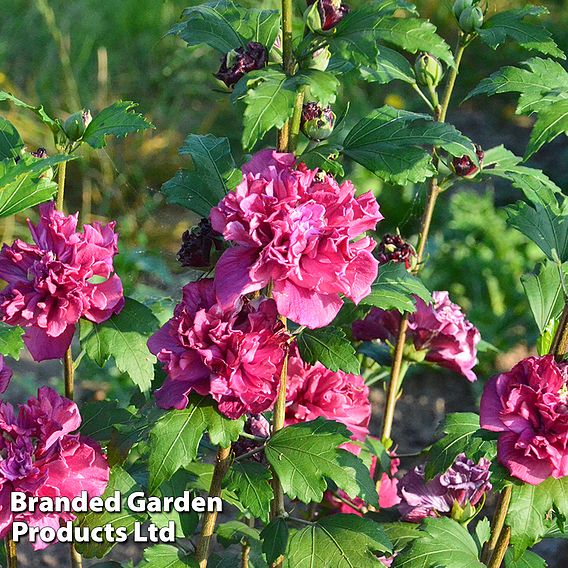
[
  {"x": 11, "y": 341},
  {"x": 11, "y": 143}
]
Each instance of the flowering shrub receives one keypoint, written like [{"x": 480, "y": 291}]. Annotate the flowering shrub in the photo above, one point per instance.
[
  {"x": 41, "y": 457},
  {"x": 296, "y": 311}
]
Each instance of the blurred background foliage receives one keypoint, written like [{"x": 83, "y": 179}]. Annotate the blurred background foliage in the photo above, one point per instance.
[{"x": 87, "y": 53}]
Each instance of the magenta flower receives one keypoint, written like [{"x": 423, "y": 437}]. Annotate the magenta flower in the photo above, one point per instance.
[
  {"x": 295, "y": 228},
  {"x": 234, "y": 355},
  {"x": 41, "y": 457},
  {"x": 464, "y": 482},
  {"x": 5, "y": 375},
  {"x": 529, "y": 406},
  {"x": 440, "y": 330},
  {"x": 61, "y": 278},
  {"x": 314, "y": 391}
]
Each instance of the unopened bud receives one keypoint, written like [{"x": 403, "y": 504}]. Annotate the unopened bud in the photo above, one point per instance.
[
  {"x": 460, "y": 6},
  {"x": 317, "y": 122},
  {"x": 238, "y": 62},
  {"x": 429, "y": 70},
  {"x": 324, "y": 15},
  {"x": 465, "y": 166},
  {"x": 75, "y": 126},
  {"x": 320, "y": 59},
  {"x": 471, "y": 19},
  {"x": 198, "y": 246}
]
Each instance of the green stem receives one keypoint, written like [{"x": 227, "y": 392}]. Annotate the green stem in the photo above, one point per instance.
[
  {"x": 76, "y": 560},
  {"x": 433, "y": 192},
  {"x": 210, "y": 517},
  {"x": 287, "y": 63},
  {"x": 61, "y": 185},
  {"x": 296, "y": 119},
  {"x": 423, "y": 96}
]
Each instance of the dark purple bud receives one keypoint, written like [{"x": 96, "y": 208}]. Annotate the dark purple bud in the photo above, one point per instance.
[
  {"x": 258, "y": 426},
  {"x": 198, "y": 244},
  {"x": 317, "y": 122},
  {"x": 393, "y": 248},
  {"x": 330, "y": 13},
  {"x": 236, "y": 63},
  {"x": 464, "y": 166},
  {"x": 39, "y": 153}
]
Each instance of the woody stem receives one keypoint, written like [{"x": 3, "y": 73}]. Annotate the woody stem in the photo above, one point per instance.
[{"x": 11, "y": 552}]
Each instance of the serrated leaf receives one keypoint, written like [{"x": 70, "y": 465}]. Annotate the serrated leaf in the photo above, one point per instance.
[
  {"x": 167, "y": 556},
  {"x": 401, "y": 534},
  {"x": 175, "y": 438},
  {"x": 444, "y": 543},
  {"x": 213, "y": 174},
  {"x": 24, "y": 185},
  {"x": 275, "y": 537},
  {"x": 461, "y": 434},
  {"x": 482, "y": 532},
  {"x": 330, "y": 347},
  {"x": 341, "y": 541},
  {"x": 527, "y": 560},
  {"x": 546, "y": 228},
  {"x": 322, "y": 87},
  {"x": 39, "y": 111},
  {"x": 395, "y": 288},
  {"x": 269, "y": 104},
  {"x": 100, "y": 418},
  {"x": 390, "y": 66},
  {"x": 534, "y": 184},
  {"x": 396, "y": 145},
  {"x": 11, "y": 142},
  {"x": 551, "y": 123},
  {"x": 11, "y": 341},
  {"x": 511, "y": 24},
  {"x": 250, "y": 482},
  {"x": 530, "y": 509},
  {"x": 544, "y": 293},
  {"x": 235, "y": 532},
  {"x": 122, "y": 482},
  {"x": 324, "y": 158},
  {"x": 123, "y": 337},
  {"x": 305, "y": 455},
  {"x": 118, "y": 120}
]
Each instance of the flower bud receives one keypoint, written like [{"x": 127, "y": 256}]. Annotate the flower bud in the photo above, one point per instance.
[
  {"x": 471, "y": 19},
  {"x": 75, "y": 126},
  {"x": 324, "y": 15},
  {"x": 317, "y": 122},
  {"x": 237, "y": 62},
  {"x": 393, "y": 248},
  {"x": 429, "y": 70},
  {"x": 320, "y": 59},
  {"x": 465, "y": 167},
  {"x": 460, "y": 6},
  {"x": 197, "y": 246},
  {"x": 39, "y": 153}
]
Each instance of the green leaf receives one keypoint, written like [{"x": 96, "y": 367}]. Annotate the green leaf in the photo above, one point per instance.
[
  {"x": 341, "y": 541},
  {"x": 401, "y": 534},
  {"x": 534, "y": 184},
  {"x": 275, "y": 537},
  {"x": 235, "y": 532},
  {"x": 544, "y": 292},
  {"x": 213, "y": 174},
  {"x": 330, "y": 347},
  {"x": 530, "y": 510},
  {"x": 39, "y": 111},
  {"x": 123, "y": 337},
  {"x": 11, "y": 341},
  {"x": 322, "y": 86},
  {"x": 225, "y": 26},
  {"x": 444, "y": 543},
  {"x": 527, "y": 560},
  {"x": 305, "y": 455},
  {"x": 27, "y": 183},
  {"x": 551, "y": 123},
  {"x": 11, "y": 143},
  {"x": 546, "y": 228},
  {"x": 540, "y": 83},
  {"x": 461, "y": 434},
  {"x": 511, "y": 24},
  {"x": 166, "y": 556},
  {"x": 269, "y": 104},
  {"x": 390, "y": 66},
  {"x": 396, "y": 145},
  {"x": 250, "y": 482},
  {"x": 175, "y": 438},
  {"x": 325, "y": 158},
  {"x": 482, "y": 532},
  {"x": 122, "y": 482},
  {"x": 395, "y": 288},
  {"x": 100, "y": 418},
  {"x": 118, "y": 120}
]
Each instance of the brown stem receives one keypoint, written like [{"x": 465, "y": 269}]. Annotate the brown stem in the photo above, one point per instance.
[
  {"x": 76, "y": 560},
  {"x": 501, "y": 549},
  {"x": 497, "y": 523},
  {"x": 210, "y": 517},
  {"x": 61, "y": 185},
  {"x": 560, "y": 343},
  {"x": 69, "y": 374},
  {"x": 11, "y": 552}
]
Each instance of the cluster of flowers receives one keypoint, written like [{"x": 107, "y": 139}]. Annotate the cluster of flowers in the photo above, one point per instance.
[{"x": 41, "y": 457}]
